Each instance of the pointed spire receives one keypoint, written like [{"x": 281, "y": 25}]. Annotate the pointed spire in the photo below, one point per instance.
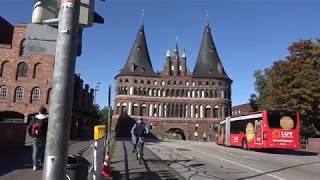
[
  {"x": 142, "y": 15},
  {"x": 184, "y": 53},
  {"x": 168, "y": 53},
  {"x": 138, "y": 62},
  {"x": 207, "y": 18},
  {"x": 208, "y": 63},
  {"x": 176, "y": 50}
]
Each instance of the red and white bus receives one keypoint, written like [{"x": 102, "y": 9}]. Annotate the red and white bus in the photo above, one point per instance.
[{"x": 274, "y": 129}]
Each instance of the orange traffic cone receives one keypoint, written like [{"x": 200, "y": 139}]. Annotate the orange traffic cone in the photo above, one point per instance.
[{"x": 106, "y": 172}]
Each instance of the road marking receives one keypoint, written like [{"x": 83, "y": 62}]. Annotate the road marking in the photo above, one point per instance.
[
  {"x": 226, "y": 153},
  {"x": 247, "y": 157},
  {"x": 253, "y": 169}
]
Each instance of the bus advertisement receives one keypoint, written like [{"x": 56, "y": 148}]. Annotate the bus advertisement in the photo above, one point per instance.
[{"x": 272, "y": 129}]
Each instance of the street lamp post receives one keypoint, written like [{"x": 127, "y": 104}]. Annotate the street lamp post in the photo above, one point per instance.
[{"x": 95, "y": 92}]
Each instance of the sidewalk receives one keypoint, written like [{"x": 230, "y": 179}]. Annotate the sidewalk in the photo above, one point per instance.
[
  {"x": 125, "y": 166},
  {"x": 16, "y": 164}
]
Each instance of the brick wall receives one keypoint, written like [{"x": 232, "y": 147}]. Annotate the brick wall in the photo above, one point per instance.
[
  {"x": 10, "y": 58},
  {"x": 42, "y": 79}
]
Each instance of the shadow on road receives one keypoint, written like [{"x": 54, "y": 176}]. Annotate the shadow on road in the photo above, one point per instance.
[
  {"x": 146, "y": 171},
  {"x": 289, "y": 152},
  {"x": 278, "y": 170},
  {"x": 17, "y": 158}
]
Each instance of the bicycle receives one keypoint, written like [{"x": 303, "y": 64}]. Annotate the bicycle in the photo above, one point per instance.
[{"x": 139, "y": 152}]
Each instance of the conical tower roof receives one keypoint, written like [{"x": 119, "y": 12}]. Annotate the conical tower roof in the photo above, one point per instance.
[
  {"x": 138, "y": 62},
  {"x": 208, "y": 63}
]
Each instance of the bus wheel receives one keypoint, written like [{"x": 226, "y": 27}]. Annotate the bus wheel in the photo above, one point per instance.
[{"x": 245, "y": 144}]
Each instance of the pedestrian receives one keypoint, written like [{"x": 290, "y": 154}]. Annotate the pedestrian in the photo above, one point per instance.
[
  {"x": 37, "y": 129},
  {"x": 195, "y": 134},
  {"x": 204, "y": 137}
]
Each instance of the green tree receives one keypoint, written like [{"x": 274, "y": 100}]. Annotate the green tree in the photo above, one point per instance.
[
  {"x": 103, "y": 115},
  {"x": 294, "y": 84},
  {"x": 257, "y": 101}
]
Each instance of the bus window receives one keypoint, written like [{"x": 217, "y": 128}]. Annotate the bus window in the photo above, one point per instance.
[{"x": 283, "y": 120}]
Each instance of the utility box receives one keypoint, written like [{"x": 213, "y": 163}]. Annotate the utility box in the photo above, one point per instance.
[
  {"x": 86, "y": 15},
  {"x": 41, "y": 39}
]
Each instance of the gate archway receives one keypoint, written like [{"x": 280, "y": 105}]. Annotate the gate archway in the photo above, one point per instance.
[{"x": 178, "y": 132}]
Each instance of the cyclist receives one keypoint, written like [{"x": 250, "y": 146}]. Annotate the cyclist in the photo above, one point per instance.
[{"x": 138, "y": 131}]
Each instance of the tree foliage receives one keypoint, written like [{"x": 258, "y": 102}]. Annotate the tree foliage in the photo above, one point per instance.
[
  {"x": 293, "y": 83},
  {"x": 103, "y": 115},
  {"x": 257, "y": 102}
]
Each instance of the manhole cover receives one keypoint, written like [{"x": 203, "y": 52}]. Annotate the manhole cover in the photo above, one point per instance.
[{"x": 182, "y": 149}]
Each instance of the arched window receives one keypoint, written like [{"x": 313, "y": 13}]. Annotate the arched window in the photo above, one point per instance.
[
  {"x": 35, "y": 94},
  {"x": 207, "y": 112},
  {"x": 135, "y": 91},
  {"x": 48, "y": 96},
  {"x": 3, "y": 92},
  {"x": 177, "y": 93},
  {"x": 117, "y": 111},
  {"x": 215, "y": 93},
  {"x": 19, "y": 94},
  {"x": 23, "y": 48},
  {"x": 216, "y": 112},
  {"x": 2, "y": 68},
  {"x": 22, "y": 70},
  {"x": 35, "y": 70},
  {"x": 135, "y": 111}
]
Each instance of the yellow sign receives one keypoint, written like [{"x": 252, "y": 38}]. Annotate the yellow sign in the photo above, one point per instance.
[{"x": 99, "y": 132}]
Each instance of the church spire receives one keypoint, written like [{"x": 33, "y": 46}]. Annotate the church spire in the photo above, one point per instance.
[
  {"x": 138, "y": 62},
  {"x": 176, "y": 50},
  {"x": 142, "y": 17},
  {"x": 208, "y": 63},
  {"x": 184, "y": 53}
]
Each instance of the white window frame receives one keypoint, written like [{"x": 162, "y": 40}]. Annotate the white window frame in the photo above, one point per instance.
[
  {"x": 35, "y": 94},
  {"x": 19, "y": 93},
  {"x": 3, "y": 92}
]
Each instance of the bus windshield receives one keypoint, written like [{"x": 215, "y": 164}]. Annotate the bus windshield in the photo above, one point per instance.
[{"x": 282, "y": 119}]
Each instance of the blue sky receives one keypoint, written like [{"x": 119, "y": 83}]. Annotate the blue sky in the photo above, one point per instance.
[{"x": 249, "y": 34}]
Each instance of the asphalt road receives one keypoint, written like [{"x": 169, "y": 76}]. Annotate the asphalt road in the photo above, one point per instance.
[
  {"x": 16, "y": 163},
  {"x": 125, "y": 166},
  {"x": 204, "y": 160}
]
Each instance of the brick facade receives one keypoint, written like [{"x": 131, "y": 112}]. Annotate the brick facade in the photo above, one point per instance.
[
  {"x": 33, "y": 74},
  {"x": 171, "y": 101}
]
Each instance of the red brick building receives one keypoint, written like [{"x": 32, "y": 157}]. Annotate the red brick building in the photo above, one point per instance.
[
  {"x": 241, "y": 109},
  {"x": 174, "y": 100},
  {"x": 25, "y": 85}
]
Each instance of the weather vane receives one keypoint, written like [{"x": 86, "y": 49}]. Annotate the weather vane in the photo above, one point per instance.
[
  {"x": 142, "y": 16},
  {"x": 207, "y": 15}
]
